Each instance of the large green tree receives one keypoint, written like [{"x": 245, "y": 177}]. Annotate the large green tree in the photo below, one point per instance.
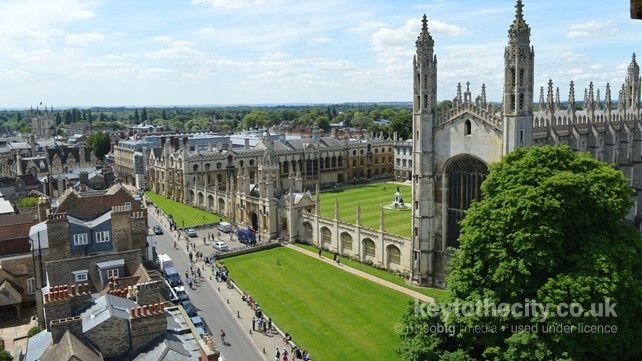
[
  {"x": 100, "y": 143},
  {"x": 256, "y": 119},
  {"x": 550, "y": 229}
]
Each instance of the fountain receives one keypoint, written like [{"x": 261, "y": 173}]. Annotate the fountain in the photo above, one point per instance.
[{"x": 398, "y": 203}]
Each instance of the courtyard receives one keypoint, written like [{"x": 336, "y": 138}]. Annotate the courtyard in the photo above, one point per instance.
[
  {"x": 330, "y": 313},
  {"x": 370, "y": 197},
  {"x": 185, "y": 216}
]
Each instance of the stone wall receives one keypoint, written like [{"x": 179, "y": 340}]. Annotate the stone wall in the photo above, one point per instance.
[
  {"x": 58, "y": 327},
  {"x": 146, "y": 323},
  {"x": 66, "y": 301}
]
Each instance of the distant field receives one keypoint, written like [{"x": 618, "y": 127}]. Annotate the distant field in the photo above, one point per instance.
[
  {"x": 370, "y": 197},
  {"x": 184, "y": 215},
  {"x": 331, "y": 313}
]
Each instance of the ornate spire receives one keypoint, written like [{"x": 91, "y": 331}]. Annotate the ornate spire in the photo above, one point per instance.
[
  {"x": 459, "y": 93},
  {"x": 621, "y": 100},
  {"x": 519, "y": 13},
  {"x": 483, "y": 95},
  {"x": 558, "y": 105},
  {"x": 607, "y": 97},
  {"x": 519, "y": 23},
  {"x": 542, "y": 104},
  {"x": 571, "y": 96},
  {"x": 598, "y": 101},
  {"x": 549, "y": 96},
  {"x": 424, "y": 41}
]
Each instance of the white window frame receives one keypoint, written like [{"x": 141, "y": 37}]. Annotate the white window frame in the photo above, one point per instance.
[
  {"x": 112, "y": 272},
  {"x": 128, "y": 205},
  {"x": 81, "y": 276},
  {"x": 102, "y": 237},
  {"x": 31, "y": 286},
  {"x": 81, "y": 239}
]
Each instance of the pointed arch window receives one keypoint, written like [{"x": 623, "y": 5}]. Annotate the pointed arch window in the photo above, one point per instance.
[{"x": 467, "y": 127}]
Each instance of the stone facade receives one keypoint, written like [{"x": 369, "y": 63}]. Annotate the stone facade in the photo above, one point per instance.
[
  {"x": 452, "y": 150},
  {"x": 250, "y": 185}
]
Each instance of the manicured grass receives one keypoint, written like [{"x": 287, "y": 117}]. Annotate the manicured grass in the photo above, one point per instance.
[
  {"x": 436, "y": 293},
  {"x": 370, "y": 197},
  {"x": 329, "y": 312},
  {"x": 184, "y": 215}
]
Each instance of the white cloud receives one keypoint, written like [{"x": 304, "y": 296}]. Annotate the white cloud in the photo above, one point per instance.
[
  {"x": 206, "y": 31},
  {"x": 81, "y": 39},
  {"x": 320, "y": 40},
  {"x": 590, "y": 25},
  {"x": 179, "y": 49},
  {"x": 335, "y": 65},
  {"x": 586, "y": 29},
  {"x": 364, "y": 28},
  {"x": 394, "y": 46},
  {"x": 119, "y": 34},
  {"x": 162, "y": 39},
  {"x": 228, "y": 4}
]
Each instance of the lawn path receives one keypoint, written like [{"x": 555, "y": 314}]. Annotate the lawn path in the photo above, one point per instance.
[{"x": 367, "y": 276}]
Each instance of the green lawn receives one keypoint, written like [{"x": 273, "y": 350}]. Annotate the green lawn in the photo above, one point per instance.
[
  {"x": 370, "y": 197},
  {"x": 331, "y": 313},
  {"x": 184, "y": 215},
  {"x": 436, "y": 293}
]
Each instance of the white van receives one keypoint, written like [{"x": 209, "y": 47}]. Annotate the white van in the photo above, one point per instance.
[{"x": 224, "y": 227}]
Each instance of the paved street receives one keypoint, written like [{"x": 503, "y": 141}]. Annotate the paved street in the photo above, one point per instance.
[{"x": 210, "y": 306}]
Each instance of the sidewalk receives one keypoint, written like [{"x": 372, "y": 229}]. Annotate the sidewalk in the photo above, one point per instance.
[
  {"x": 367, "y": 276},
  {"x": 232, "y": 297}
]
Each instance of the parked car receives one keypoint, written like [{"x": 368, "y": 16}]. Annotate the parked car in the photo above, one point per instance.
[
  {"x": 246, "y": 235},
  {"x": 158, "y": 229},
  {"x": 199, "y": 325},
  {"x": 221, "y": 246},
  {"x": 192, "y": 232},
  {"x": 224, "y": 227},
  {"x": 189, "y": 308},
  {"x": 172, "y": 276},
  {"x": 181, "y": 294}
]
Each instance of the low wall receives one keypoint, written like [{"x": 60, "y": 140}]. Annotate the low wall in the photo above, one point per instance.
[{"x": 247, "y": 250}]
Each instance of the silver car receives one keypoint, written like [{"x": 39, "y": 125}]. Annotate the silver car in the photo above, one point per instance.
[{"x": 221, "y": 246}]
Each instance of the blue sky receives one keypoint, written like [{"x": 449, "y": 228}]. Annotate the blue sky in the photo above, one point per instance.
[{"x": 186, "y": 52}]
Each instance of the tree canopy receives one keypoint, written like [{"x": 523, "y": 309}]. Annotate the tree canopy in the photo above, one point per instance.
[
  {"x": 100, "y": 143},
  {"x": 549, "y": 229}
]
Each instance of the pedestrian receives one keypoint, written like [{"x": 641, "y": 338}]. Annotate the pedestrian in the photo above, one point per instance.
[
  {"x": 204, "y": 241},
  {"x": 190, "y": 257},
  {"x": 278, "y": 354},
  {"x": 186, "y": 275},
  {"x": 198, "y": 272},
  {"x": 269, "y": 324},
  {"x": 319, "y": 252},
  {"x": 175, "y": 245},
  {"x": 253, "y": 323}
]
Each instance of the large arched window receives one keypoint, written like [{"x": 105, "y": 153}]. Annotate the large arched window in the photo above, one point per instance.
[
  {"x": 346, "y": 243},
  {"x": 465, "y": 176},
  {"x": 307, "y": 231},
  {"x": 393, "y": 255},
  {"x": 369, "y": 247},
  {"x": 326, "y": 237}
]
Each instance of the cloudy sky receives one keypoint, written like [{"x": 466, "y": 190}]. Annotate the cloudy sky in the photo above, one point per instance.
[{"x": 187, "y": 52}]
